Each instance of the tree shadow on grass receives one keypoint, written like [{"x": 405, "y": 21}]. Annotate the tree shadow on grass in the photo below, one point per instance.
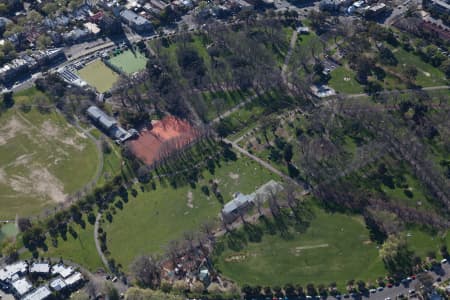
[
  {"x": 254, "y": 233},
  {"x": 236, "y": 241}
]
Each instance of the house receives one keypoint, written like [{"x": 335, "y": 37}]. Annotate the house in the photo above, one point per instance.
[
  {"x": 441, "y": 6},
  {"x": 21, "y": 286},
  {"x": 7, "y": 273},
  {"x": 58, "y": 284},
  {"x": 40, "y": 268},
  {"x": 92, "y": 28},
  {"x": 62, "y": 270},
  {"x": 74, "y": 280},
  {"x": 40, "y": 293},
  {"x": 241, "y": 202},
  {"x": 376, "y": 10},
  {"x": 135, "y": 21}
]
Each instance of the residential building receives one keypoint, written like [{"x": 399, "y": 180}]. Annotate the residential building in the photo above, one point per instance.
[
  {"x": 62, "y": 270},
  {"x": 135, "y": 21},
  {"x": 442, "y": 6},
  {"x": 40, "y": 268},
  {"x": 58, "y": 284},
  {"x": 40, "y": 293},
  {"x": 21, "y": 286},
  {"x": 241, "y": 202}
]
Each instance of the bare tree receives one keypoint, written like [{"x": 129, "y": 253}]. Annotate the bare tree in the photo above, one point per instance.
[{"x": 146, "y": 270}]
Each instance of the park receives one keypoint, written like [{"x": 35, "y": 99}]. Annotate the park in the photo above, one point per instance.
[{"x": 37, "y": 148}]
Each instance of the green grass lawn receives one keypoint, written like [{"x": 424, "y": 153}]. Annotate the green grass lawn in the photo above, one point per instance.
[
  {"x": 111, "y": 164},
  {"x": 421, "y": 242},
  {"x": 98, "y": 75},
  {"x": 8, "y": 230},
  {"x": 427, "y": 75},
  {"x": 129, "y": 61},
  {"x": 146, "y": 224},
  {"x": 334, "y": 248},
  {"x": 220, "y": 102},
  {"x": 43, "y": 159},
  {"x": 343, "y": 81},
  {"x": 80, "y": 250}
]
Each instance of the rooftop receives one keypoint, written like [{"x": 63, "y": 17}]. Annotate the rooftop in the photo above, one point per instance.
[
  {"x": 40, "y": 268},
  {"x": 58, "y": 284},
  {"x": 130, "y": 16},
  {"x": 73, "y": 279},
  {"x": 7, "y": 272},
  {"x": 62, "y": 270},
  {"x": 101, "y": 117},
  {"x": 22, "y": 286},
  {"x": 39, "y": 294}
]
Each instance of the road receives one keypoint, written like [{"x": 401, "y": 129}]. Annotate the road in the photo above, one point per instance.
[{"x": 393, "y": 292}]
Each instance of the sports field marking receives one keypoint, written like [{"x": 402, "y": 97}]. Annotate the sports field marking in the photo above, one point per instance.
[{"x": 311, "y": 247}]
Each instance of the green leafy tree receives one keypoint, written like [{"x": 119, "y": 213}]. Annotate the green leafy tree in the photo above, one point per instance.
[{"x": 396, "y": 256}]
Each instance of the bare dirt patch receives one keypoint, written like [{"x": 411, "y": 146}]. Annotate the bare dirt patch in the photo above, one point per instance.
[
  {"x": 10, "y": 130},
  {"x": 233, "y": 176},
  {"x": 50, "y": 130},
  {"x": 38, "y": 181},
  {"x": 190, "y": 199}
]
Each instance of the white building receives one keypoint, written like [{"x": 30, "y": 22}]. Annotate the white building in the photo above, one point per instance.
[
  {"x": 40, "y": 293},
  {"x": 62, "y": 270},
  {"x": 40, "y": 268},
  {"x": 21, "y": 286},
  {"x": 74, "y": 279},
  {"x": 9, "y": 271}
]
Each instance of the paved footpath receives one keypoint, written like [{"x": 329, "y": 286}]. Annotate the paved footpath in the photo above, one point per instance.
[{"x": 97, "y": 242}]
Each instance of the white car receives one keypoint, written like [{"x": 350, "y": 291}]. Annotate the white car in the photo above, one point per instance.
[{"x": 444, "y": 261}]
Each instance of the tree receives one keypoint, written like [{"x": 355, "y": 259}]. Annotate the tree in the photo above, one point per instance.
[
  {"x": 111, "y": 292},
  {"x": 180, "y": 286},
  {"x": 24, "y": 224},
  {"x": 410, "y": 72},
  {"x": 198, "y": 287},
  {"x": 287, "y": 153},
  {"x": 396, "y": 256},
  {"x": 146, "y": 271},
  {"x": 135, "y": 293},
  {"x": 445, "y": 67},
  {"x": 8, "y": 100},
  {"x": 9, "y": 251}
]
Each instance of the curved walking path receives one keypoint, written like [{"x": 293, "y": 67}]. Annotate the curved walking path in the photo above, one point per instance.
[{"x": 97, "y": 242}]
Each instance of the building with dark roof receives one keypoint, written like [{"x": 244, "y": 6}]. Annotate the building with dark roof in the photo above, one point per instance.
[{"x": 135, "y": 21}]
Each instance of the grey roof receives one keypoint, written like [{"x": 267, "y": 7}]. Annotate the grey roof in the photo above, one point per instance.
[
  {"x": 239, "y": 201},
  {"x": 100, "y": 116},
  {"x": 134, "y": 18}
]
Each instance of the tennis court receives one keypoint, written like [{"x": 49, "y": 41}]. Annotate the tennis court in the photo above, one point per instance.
[
  {"x": 129, "y": 61},
  {"x": 98, "y": 75}
]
